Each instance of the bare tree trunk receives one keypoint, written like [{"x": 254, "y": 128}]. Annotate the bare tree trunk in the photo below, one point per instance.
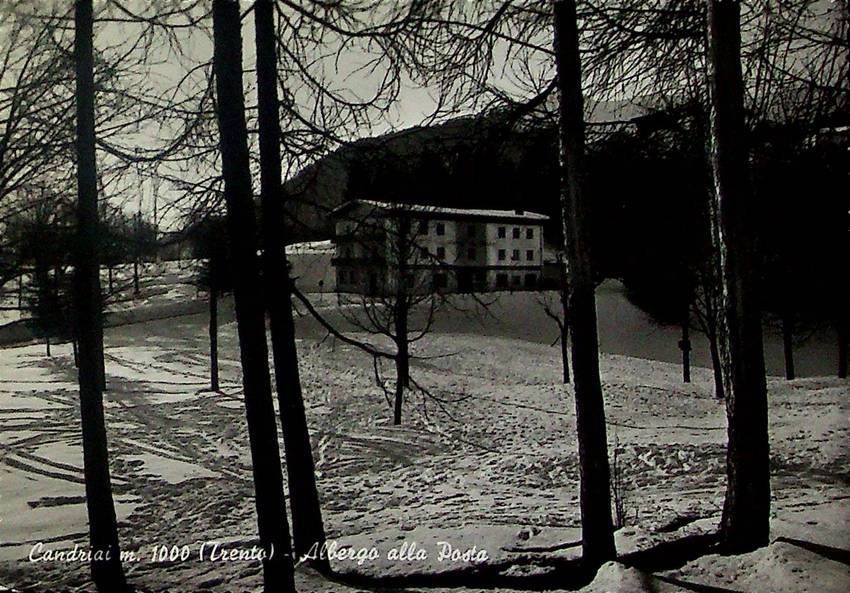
[
  {"x": 47, "y": 345},
  {"x": 843, "y": 336},
  {"x": 685, "y": 347},
  {"x": 109, "y": 271},
  {"x": 746, "y": 512},
  {"x": 402, "y": 358},
  {"x": 400, "y": 321},
  {"x": 402, "y": 367},
  {"x": 136, "y": 288},
  {"x": 716, "y": 365},
  {"x": 41, "y": 282},
  {"x": 565, "y": 326},
  {"x": 710, "y": 323},
  {"x": 101, "y": 359},
  {"x": 597, "y": 526},
  {"x": 843, "y": 305},
  {"x": 308, "y": 530},
  {"x": 565, "y": 359},
  {"x": 250, "y": 314},
  {"x": 214, "y": 386},
  {"x": 399, "y": 397},
  {"x": 107, "y": 573},
  {"x": 788, "y": 344}
]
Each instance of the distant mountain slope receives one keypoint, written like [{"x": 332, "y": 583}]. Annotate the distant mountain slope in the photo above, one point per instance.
[{"x": 475, "y": 161}]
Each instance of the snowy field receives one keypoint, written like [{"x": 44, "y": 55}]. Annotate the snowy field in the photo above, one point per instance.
[
  {"x": 168, "y": 289},
  {"x": 161, "y": 285},
  {"x": 495, "y": 470}
]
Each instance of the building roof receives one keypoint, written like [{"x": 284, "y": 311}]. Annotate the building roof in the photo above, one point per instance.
[
  {"x": 310, "y": 247},
  {"x": 422, "y": 210}
]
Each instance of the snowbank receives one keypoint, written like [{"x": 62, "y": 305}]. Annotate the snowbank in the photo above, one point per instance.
[{"x": 613, "y": 577}]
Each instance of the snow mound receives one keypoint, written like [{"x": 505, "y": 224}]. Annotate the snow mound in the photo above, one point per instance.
[
  {"x": 783, "y": 567},
  {"x": 613, "y": 577}
]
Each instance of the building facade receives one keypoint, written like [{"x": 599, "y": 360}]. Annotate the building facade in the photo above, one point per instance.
[{"x": 435, "y": 249}]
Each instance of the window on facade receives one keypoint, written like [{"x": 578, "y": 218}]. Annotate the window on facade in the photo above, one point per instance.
[
  {"x": 352, "y": 276},
  {"x": 515, "y": 255},
  {"x": 516, "y": 232},
  {"x": 529, "y": 255},
  {"x": 441, "y": 228},
  {"x": 423, "y": 227},
  {"x": 501, "y": 280},
  {"x": 501, "y": 232},
  {"x": 515, "y": 280},
  {"x": 440, "y": 280},
  {"x": 502, "y": 255},
  {"x": 441, "y": 252},
  {"x": 529, "y": 233},
  {"x": 530, "y": 280},
  {"x": 341, "y": 276},
  {"x": 470, "y": 253},
  {"x": 470, "y": 230}
]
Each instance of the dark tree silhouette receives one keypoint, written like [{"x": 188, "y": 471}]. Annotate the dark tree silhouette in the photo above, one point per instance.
[
  {"x": 560, "y": 315},
  {"x": 653, "y": 219},
  {"x": 113, "y": 248},
  {"x": 39, "y": 237},
  {"x": 106, "y": 569},
  {"x": 307, "y": 528},
  {"x": 212, "y": 244},
  {"x": 50, "y": 293},
  {"x": 250, "y": 310},
  {"x": 745, "y": 524},
  {"x": 800, "y": 291},
  {"x": 597, "y": 525},
  {"x": 399, "y": 298}
]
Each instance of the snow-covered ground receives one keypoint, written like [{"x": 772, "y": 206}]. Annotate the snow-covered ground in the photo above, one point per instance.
[
  {"x": 160, "y": 284},
  {"x": 168, "y": 289},
  {"x": 495, "y": 470}
]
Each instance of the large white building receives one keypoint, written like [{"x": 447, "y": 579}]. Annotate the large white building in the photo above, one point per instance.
[{"x": 441, "y": 249}]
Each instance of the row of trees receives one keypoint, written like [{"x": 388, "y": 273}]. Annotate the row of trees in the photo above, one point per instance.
[
  {"x": 604, "y": 50},
  {"x": 654, "y": 221},
  {"x": 38, "y": 242}
]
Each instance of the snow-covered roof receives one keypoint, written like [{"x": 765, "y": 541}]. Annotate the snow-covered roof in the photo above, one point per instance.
[
  {"x": 310, "y": 247},
  {"x": 439, "y": 211}
]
